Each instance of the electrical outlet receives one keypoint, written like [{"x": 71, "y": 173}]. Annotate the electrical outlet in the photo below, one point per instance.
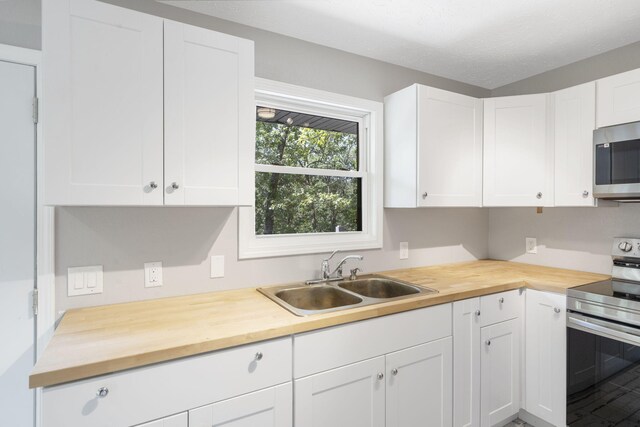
[
  {"x": 217, "y": 266},
  {"x": 152, "y": 274},
  {"x": 404, "y": 250},
  {"x": 531, "y": 245}
]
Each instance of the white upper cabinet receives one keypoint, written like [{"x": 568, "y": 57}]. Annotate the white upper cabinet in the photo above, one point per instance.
[
  {"x": 102, "y": 104},
  {"x": 209, "y": 118},
  {"x": 433, "y": 148},
  {"x": 619, "y": 99},
  {"x": 143, "y": 111},
  {"x": 518, "y": 151},
  {"x": 575, "y": 116}
]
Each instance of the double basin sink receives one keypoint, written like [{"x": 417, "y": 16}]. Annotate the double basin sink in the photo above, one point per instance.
[{"x": 304, "y": 300}]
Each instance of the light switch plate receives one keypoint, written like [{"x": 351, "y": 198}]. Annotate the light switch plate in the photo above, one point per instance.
[
  {"x": 217, "y": 266},
  {"x": 404, "y": 250},
  {"x": 152, "y": 274},
  {"x": 531, "y": 245},
  {"x": 84, "y": 280}
]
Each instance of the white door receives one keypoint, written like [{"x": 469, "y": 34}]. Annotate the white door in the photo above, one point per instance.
[
  {"x": 17, "y": 242},
  {"x": 466, "y": 363},
  {"x": 499, "y": 372},
  {"x": 518, "y": 153},
  {"x": 449, "y": 148},
  {"x": 209, "y": 117},
  {"x": 178, "y": 420},
  {"x": 545, "y": 366},
  {"x": 103, "y": 109},
  {"x": 271, "y": 407},
  {"x": 619, "y": 99},
  {"x": 419, "y": 385},
  {"x": 575, "y": 117},
  {"x": 351, "y": 396}
]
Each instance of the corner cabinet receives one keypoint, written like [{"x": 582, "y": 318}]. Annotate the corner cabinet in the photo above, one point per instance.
[
  {"x": 139, "y": 110},
  {"x": 433, "y": 148},
  {"x": 518, "y": 151},
  {"x": 619, "y": 99},
  {"x": 575, "y": 117}
]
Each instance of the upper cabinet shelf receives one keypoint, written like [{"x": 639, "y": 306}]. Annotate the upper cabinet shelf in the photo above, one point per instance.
[{"x": 139, "y": 110}]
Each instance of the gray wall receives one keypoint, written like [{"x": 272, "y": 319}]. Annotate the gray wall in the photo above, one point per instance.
[{"x": 20, "y": 23}]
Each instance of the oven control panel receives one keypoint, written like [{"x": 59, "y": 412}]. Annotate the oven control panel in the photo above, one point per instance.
[{"x": 626, "y": 247}]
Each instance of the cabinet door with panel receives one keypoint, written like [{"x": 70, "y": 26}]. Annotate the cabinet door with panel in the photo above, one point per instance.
[
  {"x": 419, "y": 385},
  {"x": 466, "y": 363},
  {"x": 518, "y": 152},
  {"x": 269, "y": 407},
  {"x": 500, "y": 372},
  {"x": 350, "y": 396},
  {"x": 178, "y": 420},
  {"x": 103, "y": 104},
  {"x": 545, "y": 366},
  {"x": 575, "y": 115},
  {"x": 618, "y": 99},
  {"x": 209, "y": 117}
]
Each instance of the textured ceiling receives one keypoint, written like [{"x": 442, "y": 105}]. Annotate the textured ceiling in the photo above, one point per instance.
[{"x": 488, "y": 43}]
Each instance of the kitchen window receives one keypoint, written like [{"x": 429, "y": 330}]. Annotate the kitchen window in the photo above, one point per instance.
[{"x": 318, "y": 173}]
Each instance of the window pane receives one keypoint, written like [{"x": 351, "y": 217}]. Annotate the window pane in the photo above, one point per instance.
[
  {"x": 304, "y": 140},
  {"x": 289, "y": 204}
]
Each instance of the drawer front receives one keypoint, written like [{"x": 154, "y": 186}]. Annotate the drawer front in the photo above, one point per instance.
[
  {"x": 342, "y": 345},
  {"x": 155, "y": 391},
  {"x": 497, "y": 308}
]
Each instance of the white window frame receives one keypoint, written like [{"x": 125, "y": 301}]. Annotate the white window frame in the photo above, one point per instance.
[{"x": 369, "y": 115}]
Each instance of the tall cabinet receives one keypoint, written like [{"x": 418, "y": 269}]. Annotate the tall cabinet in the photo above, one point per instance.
[{"x": 144, "y": 111}]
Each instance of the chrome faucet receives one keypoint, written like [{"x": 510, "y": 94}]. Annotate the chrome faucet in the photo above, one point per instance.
[{"x": 326, "y": 275}]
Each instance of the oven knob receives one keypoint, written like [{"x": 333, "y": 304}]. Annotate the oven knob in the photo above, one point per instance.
[{"x": 625, "y": 246}]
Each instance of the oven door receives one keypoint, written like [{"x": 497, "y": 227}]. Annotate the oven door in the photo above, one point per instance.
[
  {"x": 617, "y": 162},
  {"x": 603, "y": 372}
]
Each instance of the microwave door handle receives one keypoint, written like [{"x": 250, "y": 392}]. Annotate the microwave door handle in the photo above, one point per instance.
[{"x": 609, "y": 331}]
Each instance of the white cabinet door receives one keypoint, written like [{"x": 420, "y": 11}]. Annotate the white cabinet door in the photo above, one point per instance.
[
  {"x": 178, "y": 420},
  {"x": 449, "y": 149},
  {"x": 351, "y": 396},
  {"x": 619, "y": 99},
  {"x": 264, "y": 408},
  {"x": 419, "y": 385},
  {"x": 518, "y": 152},
  {"x": 466, "y": 363},
  {"x": 103, "y": 107},
  {"x": 209, "y": 117},
  {"x": 545, "y": 366},
  {"x": 575, "y": 115},
  {"x": 500, "y": 372}
]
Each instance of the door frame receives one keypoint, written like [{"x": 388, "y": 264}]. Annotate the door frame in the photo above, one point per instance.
[{"x": 45, "y": 225}]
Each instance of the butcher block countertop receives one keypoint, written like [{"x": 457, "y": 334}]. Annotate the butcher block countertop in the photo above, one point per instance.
[{"x": 100, "y": 340}]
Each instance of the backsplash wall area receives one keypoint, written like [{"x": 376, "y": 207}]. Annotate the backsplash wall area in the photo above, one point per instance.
[{"x": 123, "y": 239}]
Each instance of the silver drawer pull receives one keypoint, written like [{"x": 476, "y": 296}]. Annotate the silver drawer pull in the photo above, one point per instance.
[
  {"x": 259, "y": 355},
  {"x": 488, "y": 342},
  {"x": 501, "y": 300},
  {"x": 394, "y": 371},
  {"x": 380, "y": 375},
  {"x": 102, "y": 392},
  {"x": 477, "y": 312},
  {"x": 556, "y": 309}
]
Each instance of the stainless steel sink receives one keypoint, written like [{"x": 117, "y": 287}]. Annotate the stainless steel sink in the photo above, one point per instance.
[{"x": 305, "y": 300}]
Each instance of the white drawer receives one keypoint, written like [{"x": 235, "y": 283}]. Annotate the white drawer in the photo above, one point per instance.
[
  {"x": 142, "y": 394},
  {"x": 330, "y": 348},
  {"x": 497, "y": 308}
]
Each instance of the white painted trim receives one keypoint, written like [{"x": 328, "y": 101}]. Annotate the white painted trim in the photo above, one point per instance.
[
  {"x": 370, "y": 115},
  {"x": 308, "y": 171},
  {"x": 45, "y": 225}
]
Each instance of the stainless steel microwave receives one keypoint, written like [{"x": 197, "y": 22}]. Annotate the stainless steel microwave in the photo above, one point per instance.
[{"x": 617, "y": 162}]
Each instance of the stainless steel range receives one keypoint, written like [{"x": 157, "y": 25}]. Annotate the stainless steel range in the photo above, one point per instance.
[{"x": 603, "y": 344}]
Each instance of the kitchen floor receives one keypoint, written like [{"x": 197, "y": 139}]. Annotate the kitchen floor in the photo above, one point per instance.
[{"x": 518, "y": 423}]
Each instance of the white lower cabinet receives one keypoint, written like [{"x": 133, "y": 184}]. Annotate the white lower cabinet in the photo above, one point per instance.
[
  {"x": 271, "y": 407},
  {"x": 545, "y": 367},
  {"x": 178, "y": 420}
]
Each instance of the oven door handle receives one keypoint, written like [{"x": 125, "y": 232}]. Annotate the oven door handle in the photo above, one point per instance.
[{"x": 604, "y": 329}]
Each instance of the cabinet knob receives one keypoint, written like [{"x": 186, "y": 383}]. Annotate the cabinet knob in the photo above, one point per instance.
[
  {"x": 556, "y": 309},
  {"x": 175, "y": 185},
  {"x": 259, "y": 355},
  {"x": 477, "y": 312},
  {"x": 394, "y": 371},
  {"x": 488, "y": 342},
  {"x": 380, "y": 375},
  {"x": 501, "y": 300},
  {"x": 424, "y": 195},
  {"x": 539, "y": 195},
  {"x": 102, "y": 392},
  {"x": 585, "y": 194},
  {"x": 153, "y": 185}
]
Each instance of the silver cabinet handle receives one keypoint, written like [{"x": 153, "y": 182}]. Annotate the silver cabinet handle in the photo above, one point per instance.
[
  {"x": 424, "y": 195},
  {"x": 501, "y": 300},
  {"x": 585, "y": 194},
  {"x": 153, "y": 185},
  {"x": 259, "y": 355},
  {"x": 102, "y": 392},
  {"x": 556, "y": 309},
  {"x": 394, "y": 371},
  {"x": 175, "y": 185},
  {"x": 539, "y": 195},
  {"x": 488, "y": 342},
  {"x": 477, "y": 312},
  {"x": 380, "y": 375}
]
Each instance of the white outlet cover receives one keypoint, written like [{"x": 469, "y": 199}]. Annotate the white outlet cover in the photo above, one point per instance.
[
  {"x": 152, "y": 274},
  {"x": 217, "y": 266},
  {"x": 84, "y": 280},
  {"x": 531, "y": 245},
  {"x": 404, "y": 250}
]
